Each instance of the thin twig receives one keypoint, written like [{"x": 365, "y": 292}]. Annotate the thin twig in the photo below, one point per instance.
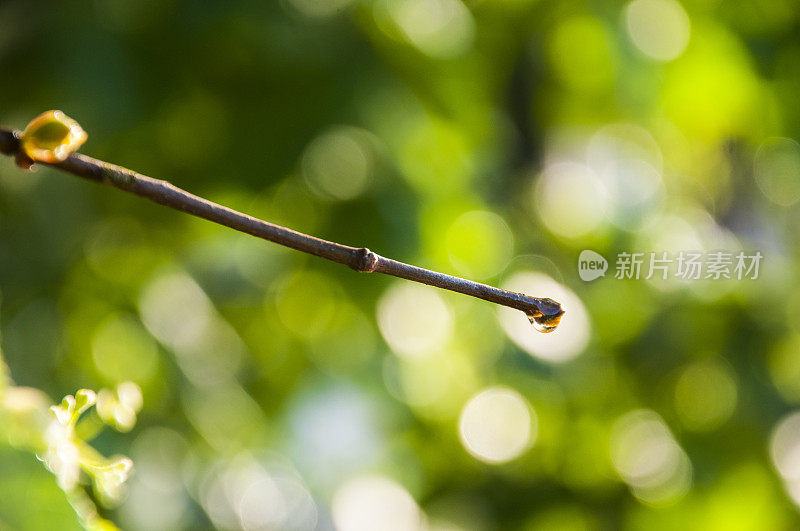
[{"x": 545, "y": 311}]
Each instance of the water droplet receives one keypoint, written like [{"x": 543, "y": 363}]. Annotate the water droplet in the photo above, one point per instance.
[
  {"x": 546, "y": 318},
  {"x": 539, "y": 323}
]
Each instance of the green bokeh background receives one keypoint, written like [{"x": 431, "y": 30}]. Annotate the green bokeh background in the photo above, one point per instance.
[{"x": 459, "y": 135}]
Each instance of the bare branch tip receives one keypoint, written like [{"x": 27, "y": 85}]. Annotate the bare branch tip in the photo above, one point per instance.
[{"x": 35, "y": 144}]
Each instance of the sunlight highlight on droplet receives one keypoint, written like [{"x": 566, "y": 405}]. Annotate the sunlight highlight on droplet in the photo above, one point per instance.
[
  {"x": 497, "y": 425},
  {"x": 564, "y": 343},
  {"x": 366, "y": 503},
  {"x": 647, "y": 458},
  {"x": 414, "y": 319},
  {"x": 659, "y": 28}
]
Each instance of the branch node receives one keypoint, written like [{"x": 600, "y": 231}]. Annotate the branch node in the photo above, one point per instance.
[{"x": 365, "y": 261}]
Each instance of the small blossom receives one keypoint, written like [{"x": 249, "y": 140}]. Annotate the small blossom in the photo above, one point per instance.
[
  {"x": 84, "y": 399},
  {"x": 64, "y": 411},
  {"x": 119, "y": 409},
  {"x": 109, "y": 480}
]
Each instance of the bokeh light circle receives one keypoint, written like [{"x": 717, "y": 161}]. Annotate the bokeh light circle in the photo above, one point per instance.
[
  {"x": 306, "y": 303},
  {"x": 784, "y": 449},
  {"x": 777, "y": 170},
  {"x": 628, "y": 162},
  {"x": 784, "y": 367},
  {"x": 339, "y": 163},
  {"x": 178, "y": 313},
  {"x": 366, "y": 503},
  {"x": 647, "y": 458},
  {"x": 570, "y": 199},
  {"x": 246, "y": 494},
  {"x": 415, "y": 320},
  {"x": 582, "y": 55},
  {"x": 442, "y": 29},
  {"x": 497, "y": 425},
  {"x": 622, "y": 141},
  {"x": 659, "y": 28},
  {"x": 123, "y": 350},
  {"x": 479, "y": 243},
  {"x": 705, "y": 395}
]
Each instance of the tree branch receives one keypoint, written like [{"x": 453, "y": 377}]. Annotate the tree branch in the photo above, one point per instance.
[{"x": 544, "y": 313}]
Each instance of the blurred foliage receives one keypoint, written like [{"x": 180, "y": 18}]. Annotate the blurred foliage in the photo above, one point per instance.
[
  {"x": 57, "y": 438},
  {"x": 490, "y": 139}
]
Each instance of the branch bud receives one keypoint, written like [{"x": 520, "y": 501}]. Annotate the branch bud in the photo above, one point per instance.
[{"x": 50, "y": 137}]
